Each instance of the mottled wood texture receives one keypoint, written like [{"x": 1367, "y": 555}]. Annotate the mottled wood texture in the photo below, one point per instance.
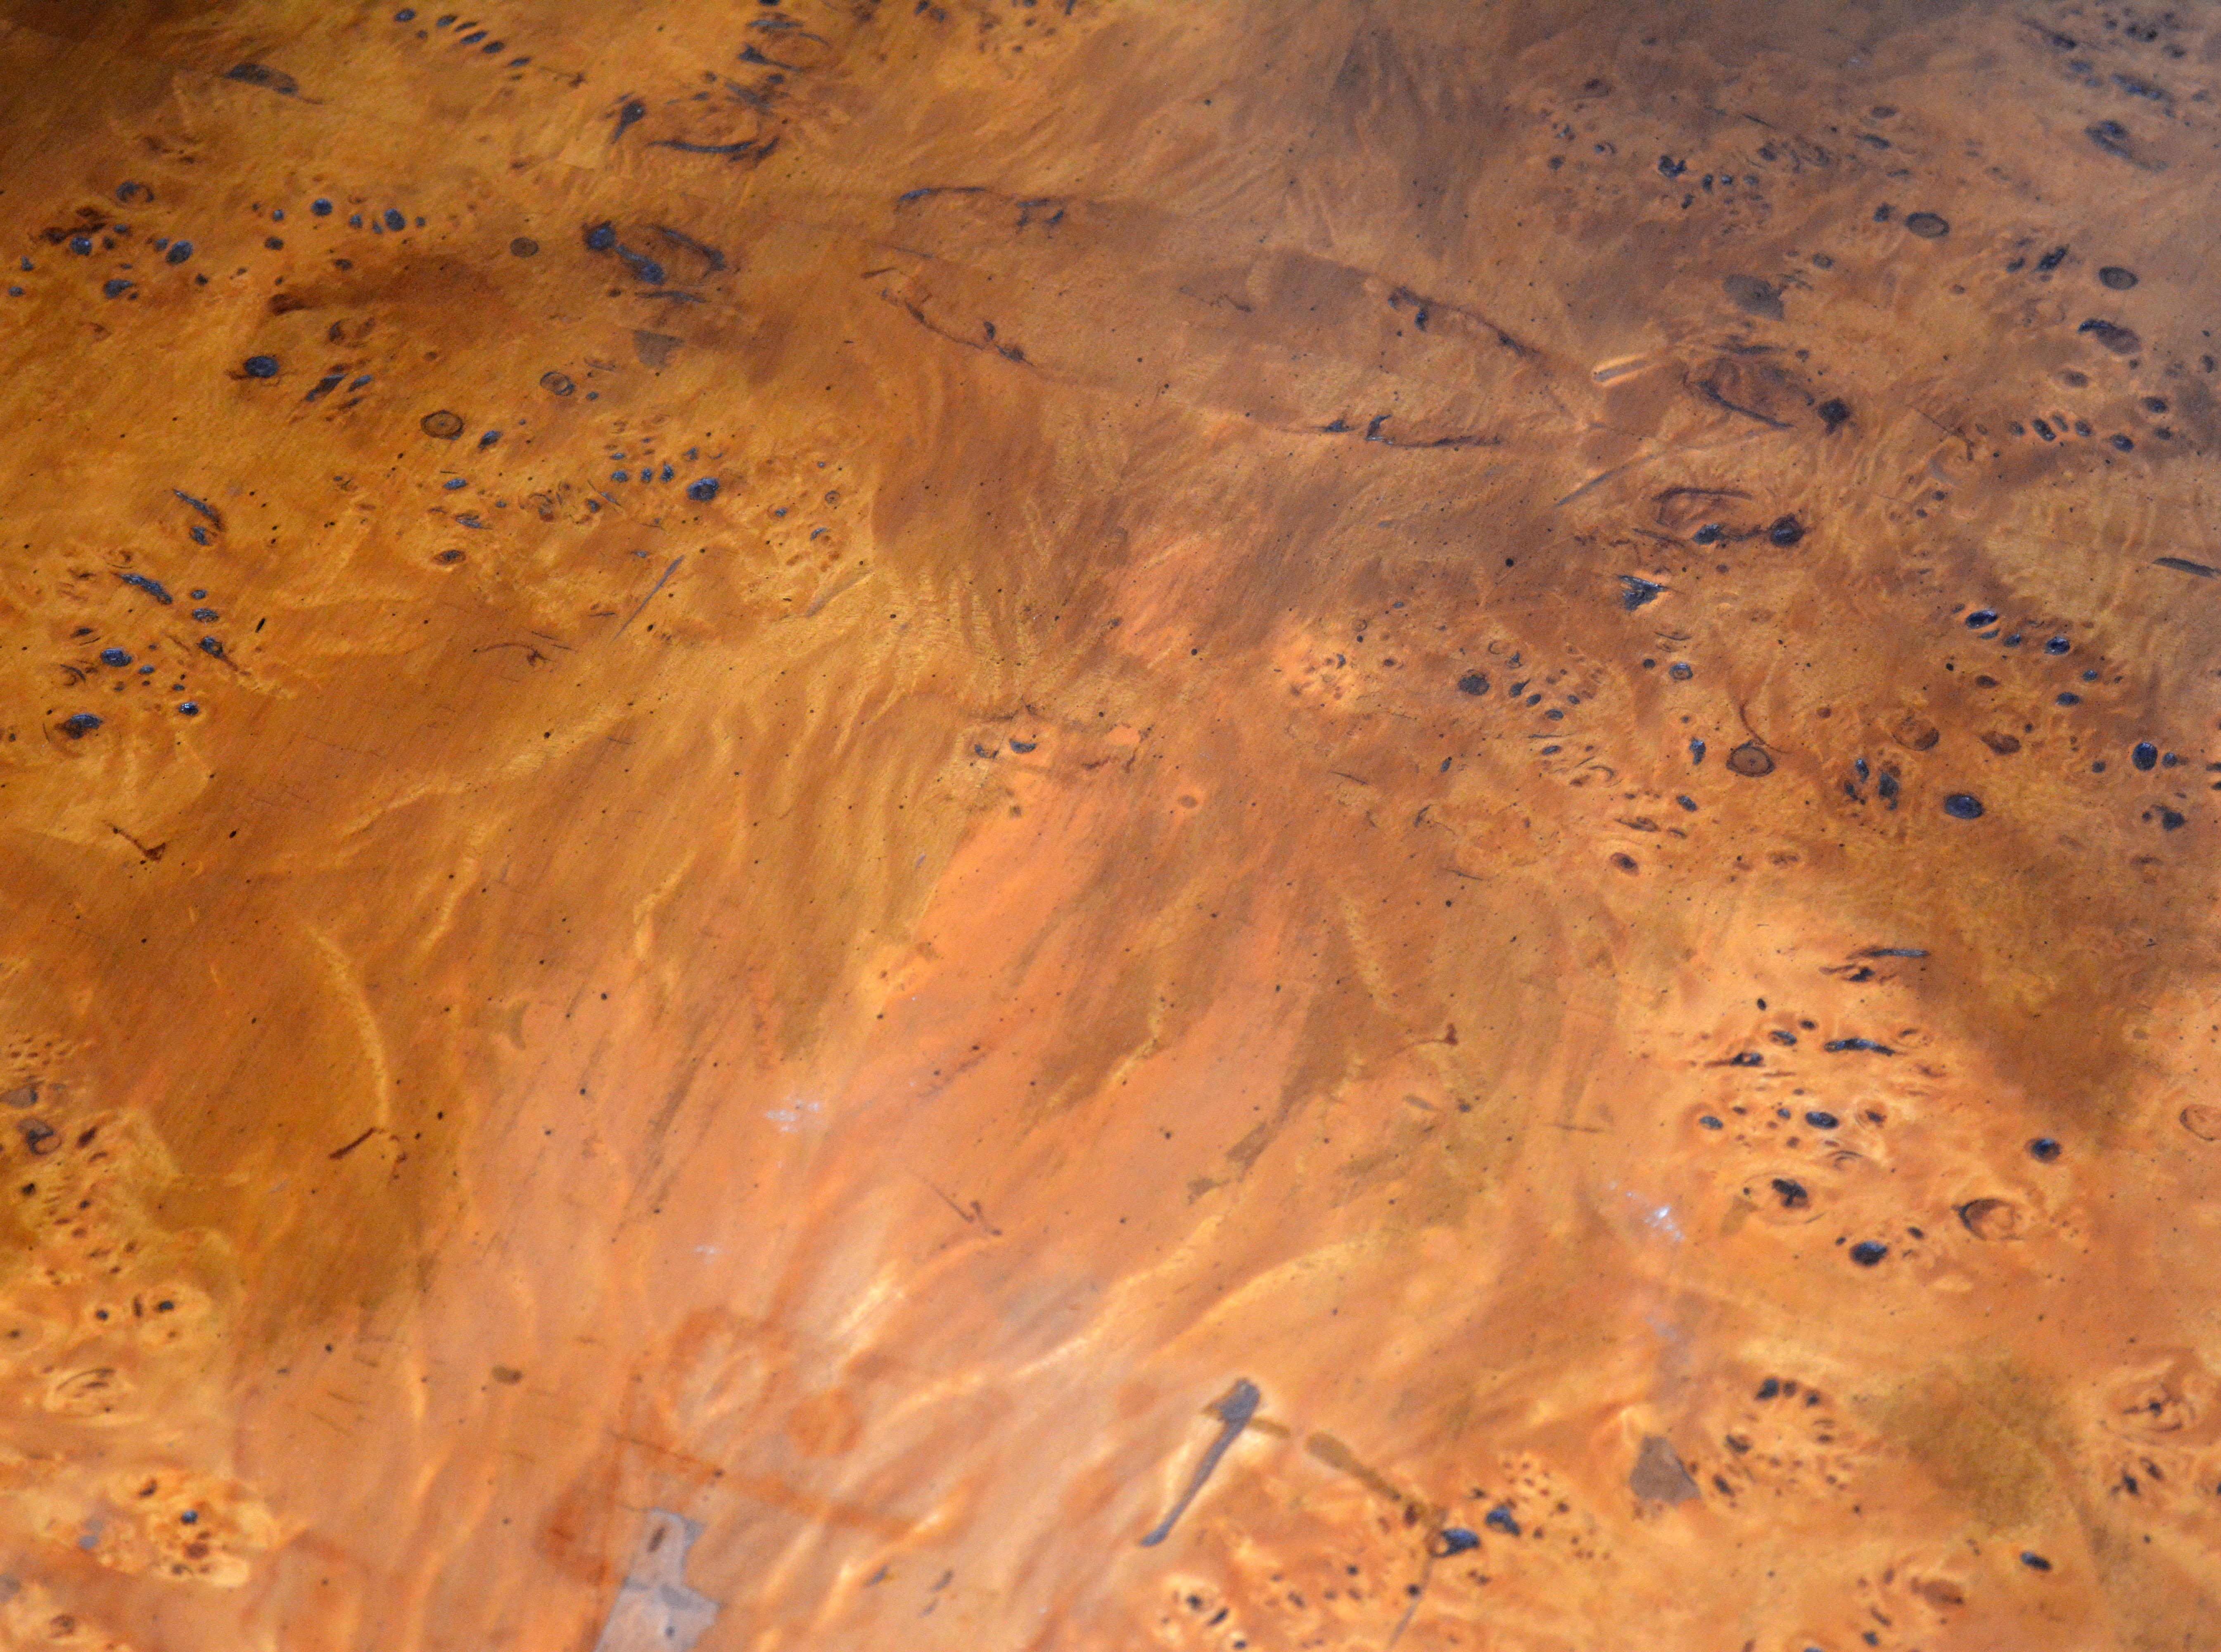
[{"x": 1332, "y": 724}]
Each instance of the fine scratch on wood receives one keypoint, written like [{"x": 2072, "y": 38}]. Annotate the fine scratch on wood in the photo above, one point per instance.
[{"x": 650, "y": 597}]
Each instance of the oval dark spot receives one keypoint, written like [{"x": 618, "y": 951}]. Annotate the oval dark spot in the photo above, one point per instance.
[
  {"x": 114, "y": 657},
  {"x": 1792, "y": 1193},
  {"x": 129, "y": 193},
  {"x": 2043, "y": 1148},
  {"x": 1963, "y": 805},
  {"x": 394, "y": 220},
  {"x": 601, "y": 237},
  {"x": 556, "y": 383},
  {"x": 1473, "y": 683},
  {"x": 704, "y": 489},
  {"x": 2202, "y": 1121},
  {"x": 1750, "y": 759},
  {"x": 187, "y": 709},
  {"x": 2034, "y": 1561},
  {"x": 2058, "y": 645},
  {"x": 2116, "y": 278},
  {"x": 443, "y": 425},
  {"x": 1927, "y": 225},
  {"x": 1710, "y": 1124},
  {"x": 2121, "y": 340},
  {"x": 1867, "y": 1253},
  {"x": 323, "y": 208},
  {"x": 448, "y": 558},
  {"x": 2146, "y": 756},
  {"x": 179, "y": 253},
  {"x": 1502, "y": 1519},
  {"x": 524, "y": 246},
  {"x": 261, "y": 366},
  {"x": 1786, "y": 530},
  {"x": 77, "y": 727},
  {"x": 1753, "y": 296},
  {"x": 1680, "y": 670},
  {"x": 1820, "y": 1121},
  {"x": 1991, "y": 1219},
  {"x": 1915, "y": 734},
  {"x": 1833, "y": 411}
]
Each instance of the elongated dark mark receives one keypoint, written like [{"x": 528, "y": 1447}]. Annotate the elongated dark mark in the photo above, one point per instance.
[
  {"x": 1894, "y": 952},
  {"x": 787, "y": 26},
  {"x": 749, "y": 55},
  {"x": 1341, "y": 427},
  {"x": 257, "y": 74},
  {"x": 154, "y": 854},
  {"x": 1424, "y": 308},
  {"x": 1635, "y": 591},
  {"x": 341, "y": 1153},
  {"x": 201, "y": 505},
  {"x": 908, "y": 196},
  {"x": 1712, "y": 393},
  {"x": 650, "y": 597},
  {"x": 641, "y": 265},
  {"x": 632, "y": 111},
  {"x": 2184, "y": 565},
  {"x": 151, "y": 587},
  {"x": 1234, "y": 1414},
  {"x": 750, "y": 150},
  {"x": 717, "y": 259}
]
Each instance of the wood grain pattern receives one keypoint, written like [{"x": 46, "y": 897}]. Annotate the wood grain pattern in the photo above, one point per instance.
[{"x": 773, "y": 774}]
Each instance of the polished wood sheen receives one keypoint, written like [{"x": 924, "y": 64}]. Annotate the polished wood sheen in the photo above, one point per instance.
[{"x": 1216, "y": 827}]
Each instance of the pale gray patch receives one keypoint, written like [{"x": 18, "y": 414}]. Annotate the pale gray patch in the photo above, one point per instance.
[{"x": 656, "y": 1610}]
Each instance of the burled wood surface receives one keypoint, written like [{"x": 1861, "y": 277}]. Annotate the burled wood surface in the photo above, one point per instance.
[{"x": 885, "y": 740}]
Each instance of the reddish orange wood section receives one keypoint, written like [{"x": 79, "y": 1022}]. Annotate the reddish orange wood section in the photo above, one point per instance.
[{"x": 801, "y": 799}]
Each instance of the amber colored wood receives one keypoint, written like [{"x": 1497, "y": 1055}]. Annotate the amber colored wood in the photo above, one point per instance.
[{"x": 892, "y": 777}]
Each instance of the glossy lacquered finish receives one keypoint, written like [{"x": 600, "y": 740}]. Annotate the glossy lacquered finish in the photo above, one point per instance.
[{"x": 1084, "y": 825}]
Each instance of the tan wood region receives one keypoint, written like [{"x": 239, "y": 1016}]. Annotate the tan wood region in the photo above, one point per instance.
[{"x": 1111, "y": 825}]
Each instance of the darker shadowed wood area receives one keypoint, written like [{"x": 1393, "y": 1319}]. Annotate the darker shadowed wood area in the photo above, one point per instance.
[{"x": 1223, "y": 827}]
